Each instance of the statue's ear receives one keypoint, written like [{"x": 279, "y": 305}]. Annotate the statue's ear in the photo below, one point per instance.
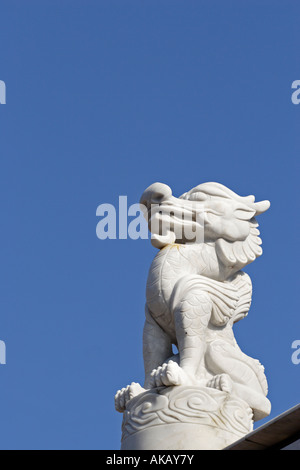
[{"x": 243, "y": 212}]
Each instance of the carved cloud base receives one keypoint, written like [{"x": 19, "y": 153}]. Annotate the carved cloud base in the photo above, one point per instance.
[{"x": 184, "y": 418}]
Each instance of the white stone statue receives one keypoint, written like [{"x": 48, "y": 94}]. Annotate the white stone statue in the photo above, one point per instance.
[{"x": 208, "y": 394}]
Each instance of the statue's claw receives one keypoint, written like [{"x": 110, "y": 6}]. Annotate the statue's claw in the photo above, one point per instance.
[
  {"x": 167, "y": 375},
  {"x": 221, "y": 382},
  {"x": 123, "y": 396}
]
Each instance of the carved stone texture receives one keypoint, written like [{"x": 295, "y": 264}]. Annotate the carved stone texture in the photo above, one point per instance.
[
  {"x": 195, "y": 293},
  {"x": 184, "y": 417}
]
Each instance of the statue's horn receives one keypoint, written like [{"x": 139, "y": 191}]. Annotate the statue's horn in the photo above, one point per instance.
[
  {"x": 261, "y": 206},
  {"x": 248, "y": 199}
]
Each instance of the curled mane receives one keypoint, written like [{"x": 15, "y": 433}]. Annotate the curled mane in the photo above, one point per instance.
[
  {"x": 240, "y": 252},
  {"x": 230, "y": 251}
]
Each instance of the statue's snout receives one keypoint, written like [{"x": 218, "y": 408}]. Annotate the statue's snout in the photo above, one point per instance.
[{"x": 156, "y": 193}]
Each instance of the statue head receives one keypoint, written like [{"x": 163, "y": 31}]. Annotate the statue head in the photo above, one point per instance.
[{"x": 208, "y": 213}]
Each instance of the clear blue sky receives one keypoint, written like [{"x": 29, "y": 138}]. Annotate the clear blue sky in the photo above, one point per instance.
[{"x": 105, "y": 97}]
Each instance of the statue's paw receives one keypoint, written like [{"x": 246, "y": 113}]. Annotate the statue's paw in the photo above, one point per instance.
[
  {"x": 123, "y": 396},
  {"x": 221, "y": 382},
  {"x": 170, "y": 373}
]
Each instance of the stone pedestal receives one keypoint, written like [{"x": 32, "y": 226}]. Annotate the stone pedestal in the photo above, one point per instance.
[{"x": 184, "y": 418}]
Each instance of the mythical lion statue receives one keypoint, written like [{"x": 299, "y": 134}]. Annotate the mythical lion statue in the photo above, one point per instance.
[{"x": 196, "y": 291}]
